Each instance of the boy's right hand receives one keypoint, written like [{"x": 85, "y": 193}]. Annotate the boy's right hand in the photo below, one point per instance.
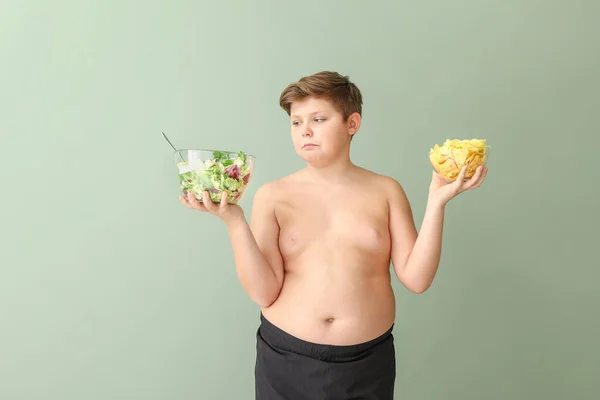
[{"x": 227, "y": 212}]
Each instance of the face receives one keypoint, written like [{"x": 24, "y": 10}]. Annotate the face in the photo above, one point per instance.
[{"x": 319, "y": 132}]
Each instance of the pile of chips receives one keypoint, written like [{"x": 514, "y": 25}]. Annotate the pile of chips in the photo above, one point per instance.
[{"x": 449, "y": 158}]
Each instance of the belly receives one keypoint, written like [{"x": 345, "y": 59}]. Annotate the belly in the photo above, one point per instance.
[
  {"x": 335, "y": 304},
  {"x": 336, "y": 288}
]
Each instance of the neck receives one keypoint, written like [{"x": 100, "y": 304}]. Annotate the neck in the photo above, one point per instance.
[{"x": 331, "y": 172}]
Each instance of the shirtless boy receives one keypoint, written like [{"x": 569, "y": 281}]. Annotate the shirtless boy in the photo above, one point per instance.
[{"x": 316, "y": 255}]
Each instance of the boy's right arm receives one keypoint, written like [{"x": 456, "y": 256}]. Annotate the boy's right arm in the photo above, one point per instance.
[{"x": 258, "y": 260}]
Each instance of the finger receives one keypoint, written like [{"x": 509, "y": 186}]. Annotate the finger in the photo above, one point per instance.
[
  {"x": 477, "y": 178},
  {"x": 482, "y": 178},
  {"x": 194, "y": 203},
  {"x": 461, "y": 177},
  {"x": 190, "y": 204},
  {"x": 474, "y": 179},
  {"x": 208, "y": 204},
  {"x": 223, "y": 202},
  {"x": 183, "y": 201}
]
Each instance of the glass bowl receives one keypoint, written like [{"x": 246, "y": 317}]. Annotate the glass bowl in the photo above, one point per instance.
[
  {"x": 215, "y": 171},
  {"x": 448, "y": 161}
]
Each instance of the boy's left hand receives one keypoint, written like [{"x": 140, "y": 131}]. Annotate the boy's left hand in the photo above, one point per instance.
[{"x": 442, "y": 191}]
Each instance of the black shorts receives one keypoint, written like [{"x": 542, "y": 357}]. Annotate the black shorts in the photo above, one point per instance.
[{"x": 288, "y": 368}]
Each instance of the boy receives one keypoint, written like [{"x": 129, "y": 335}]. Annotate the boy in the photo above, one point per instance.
[{"x": 316, "y": 256}]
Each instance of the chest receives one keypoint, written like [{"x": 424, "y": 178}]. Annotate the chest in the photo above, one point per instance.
[{"x": 348, "y": 224}]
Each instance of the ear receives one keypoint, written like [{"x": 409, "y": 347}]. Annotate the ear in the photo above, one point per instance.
[{"x": 354, "y": 121}]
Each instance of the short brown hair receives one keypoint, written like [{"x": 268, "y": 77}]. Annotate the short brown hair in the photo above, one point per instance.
[{"x": 345, "y": 95}]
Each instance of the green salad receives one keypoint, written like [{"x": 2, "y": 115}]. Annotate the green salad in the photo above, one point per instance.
[{"x": 224, "y": 172}]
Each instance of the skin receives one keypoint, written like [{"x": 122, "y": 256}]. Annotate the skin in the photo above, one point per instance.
[{"x": 316, "y": 255}]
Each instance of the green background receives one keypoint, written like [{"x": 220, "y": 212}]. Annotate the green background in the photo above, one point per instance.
[{"x": 111, "y": 289}]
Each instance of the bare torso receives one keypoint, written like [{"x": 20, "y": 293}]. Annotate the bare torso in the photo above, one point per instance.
[{"x": 335, "y": 244}]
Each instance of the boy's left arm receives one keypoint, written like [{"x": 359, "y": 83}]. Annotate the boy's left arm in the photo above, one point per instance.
[{"x": 416, "y": 256}]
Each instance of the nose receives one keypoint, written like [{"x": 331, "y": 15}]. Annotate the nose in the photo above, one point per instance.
[{"x": 307, "y": 132}]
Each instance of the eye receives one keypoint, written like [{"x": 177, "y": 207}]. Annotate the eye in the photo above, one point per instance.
[
  {"x": 319, "y": 119},
  {"x": 295, "y": 123}
]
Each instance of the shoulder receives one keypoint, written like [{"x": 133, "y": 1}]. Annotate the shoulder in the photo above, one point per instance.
[
  {"x": 389, "y": 187},
  {"x": 269, "y": 196},
  {"x": 393, "y": 187},
  {"x": 273, "y": 190},
  {"x": 266, "y": 193}
]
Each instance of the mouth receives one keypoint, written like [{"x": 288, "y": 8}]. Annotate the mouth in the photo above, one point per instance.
[{"x": 309, "y": 145}]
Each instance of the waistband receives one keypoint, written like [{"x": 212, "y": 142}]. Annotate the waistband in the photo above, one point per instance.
[{"x": 279, "y": 339}]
